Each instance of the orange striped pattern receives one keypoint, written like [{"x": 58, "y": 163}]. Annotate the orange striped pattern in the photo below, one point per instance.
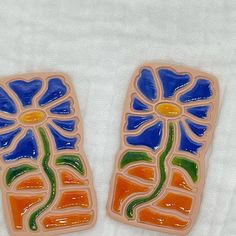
[
  {"x": 179, "y": 181},
  {"x": 125, "y": 188},
  {"x": 178, "y": 202},
  {"x": 152, "y": 216},
  {"x": 20, "y": 206},
  {"x": 68, "y": 178},
  {"x": 34, "y": 182},
  {"x": 74, "y": 199},
  {"x": 143, "y": 172},
  {"x": 66, "y": 220}
]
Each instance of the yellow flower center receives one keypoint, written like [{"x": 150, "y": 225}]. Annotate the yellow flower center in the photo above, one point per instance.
[
  {"x": 168, "y": 109},
  {"x": 32, "y": 117}
]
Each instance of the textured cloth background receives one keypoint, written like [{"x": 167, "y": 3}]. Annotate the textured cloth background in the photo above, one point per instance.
[{"x": 99, "y": 44}]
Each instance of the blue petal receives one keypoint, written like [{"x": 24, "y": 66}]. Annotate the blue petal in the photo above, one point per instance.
[
  {"x": 151, "y": 137},
  {"x": 186, "y": 143},
  {"x": 6, "y": 139},
  {"x": 200, "y": 111},
  {"x": 147, "y": 84},
  {"x": 5, "y": 123},
  {"x": 63, "y": 108},
  {"x": 172, "y": 81},
  {"x": 26, "y": 90},
  {"x": 6, "y": 104},
  {"x": 197, "y": 129},
  {"x": 139, "y": 105},
  {"x": 26, "y": 148},
  {"x": 136, "y": 121},
  {"x": 61, "y": 141},
  {"x": 201, "y": 91},
  {"x": 56, "y": 89},
  {"x": 68, "y": 125}
]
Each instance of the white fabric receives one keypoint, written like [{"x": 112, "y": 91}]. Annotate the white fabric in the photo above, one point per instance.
[{"x": 99, "y": 44}]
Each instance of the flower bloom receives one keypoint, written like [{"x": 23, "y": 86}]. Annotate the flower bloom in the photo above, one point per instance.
[
  {"x": 33, "y": 106},
  {"x": 151, "y": 108}
]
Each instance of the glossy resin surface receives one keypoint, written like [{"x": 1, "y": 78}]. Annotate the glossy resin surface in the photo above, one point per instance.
[
  {"x": 45, "y": 177},
  {"x": 167, "y": 127}
]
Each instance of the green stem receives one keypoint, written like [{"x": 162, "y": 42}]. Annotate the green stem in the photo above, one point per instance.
[
  {"x": 157, "y": 190},
  {"x": 51, "y": 176}
]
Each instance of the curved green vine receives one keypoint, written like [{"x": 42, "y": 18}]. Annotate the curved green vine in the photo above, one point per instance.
[
  {"x": 51, "y": 176},
  {"x": 157, "y": 190}
]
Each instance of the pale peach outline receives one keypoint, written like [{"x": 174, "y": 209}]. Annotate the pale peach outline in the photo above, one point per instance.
[
  {"x": 203, "y": 152},
  {"x": 79, "y": 150}
]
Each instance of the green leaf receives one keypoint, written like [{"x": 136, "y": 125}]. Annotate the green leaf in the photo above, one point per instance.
[
  {"x": 17, "y": 171},
  {"x": 73, "y": 161},
  {"x": 130, "y": 157},
  {"x": 189, "y": 165}
]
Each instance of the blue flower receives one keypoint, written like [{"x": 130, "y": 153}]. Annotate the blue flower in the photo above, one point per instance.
[
  {"x": 166, "y": 95},
  {"x": 28, "y": 105}
]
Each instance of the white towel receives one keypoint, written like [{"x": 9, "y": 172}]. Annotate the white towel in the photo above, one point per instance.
[{"x": 99, "y": 44}]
